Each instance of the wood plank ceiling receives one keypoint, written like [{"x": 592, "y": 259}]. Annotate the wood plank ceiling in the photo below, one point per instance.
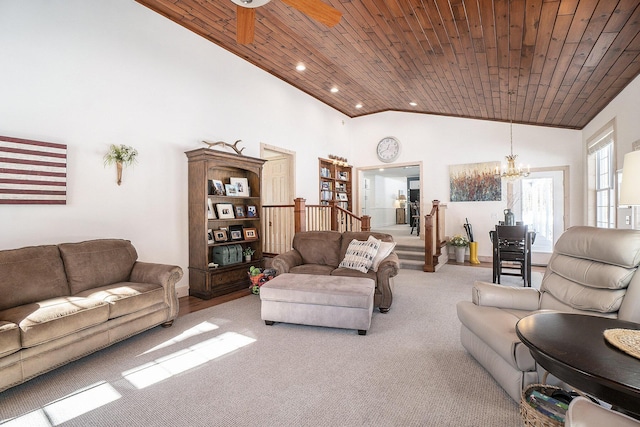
[{"x": 544, "y": 62}]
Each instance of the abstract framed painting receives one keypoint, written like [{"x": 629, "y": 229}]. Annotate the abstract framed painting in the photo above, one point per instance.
[{"x": 475, "y": 182}]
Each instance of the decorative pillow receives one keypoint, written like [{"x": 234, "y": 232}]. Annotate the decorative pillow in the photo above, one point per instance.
[
  {"x": 360, "y": 254},
  {"x": 383, "y": 251}
]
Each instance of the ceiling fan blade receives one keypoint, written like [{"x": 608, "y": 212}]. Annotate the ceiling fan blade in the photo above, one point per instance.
[
  {"x": 246, "y": 20},
  {"x": 317, "y": 10}
]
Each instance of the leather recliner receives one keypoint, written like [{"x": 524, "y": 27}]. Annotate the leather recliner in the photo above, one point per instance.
[{"x": 591, "y": 271}]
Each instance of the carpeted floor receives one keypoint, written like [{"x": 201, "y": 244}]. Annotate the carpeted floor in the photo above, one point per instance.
[{"x": 224, "y": 367}]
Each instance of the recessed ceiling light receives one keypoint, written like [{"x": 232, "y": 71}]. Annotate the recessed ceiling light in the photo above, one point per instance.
[
  {"x": 300, "y": 67},
  {"x": 334, "y": 89},
  {"x": 358, "y": 105},
  {"x": 413, "y": 104}
]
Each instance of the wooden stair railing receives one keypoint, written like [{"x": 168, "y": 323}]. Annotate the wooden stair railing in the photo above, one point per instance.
[
  {"x": 281, "y": 222},
  {"x": 434, "y": 241}
]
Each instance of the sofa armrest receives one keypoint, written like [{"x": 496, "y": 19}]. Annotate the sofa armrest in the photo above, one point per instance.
[
  {"x": 387, "y": 269},
  {"x": 491, "y": 295},
  {"x": 161, "y": 274},
  {"x": 283, "y": 262}
]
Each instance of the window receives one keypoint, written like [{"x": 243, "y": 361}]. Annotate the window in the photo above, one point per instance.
[{"x": 601, "y": 179}]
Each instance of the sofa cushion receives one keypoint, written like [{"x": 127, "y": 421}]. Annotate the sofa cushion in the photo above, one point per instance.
[
  {"x": 96, "y": 263},
  {"x": 580, "y": 297},
  {"x": 350, "y": 272},
  {"x": 54, "y": 318},
  {"x": 384, "y": 251},
  {"x": 359, "y": 255},
  {"x": 31, "y": 274},
  {"x": 126, "y": 297},
  {"x": 319, "y": 247},
  {"x": 607, "y": 245},
  {"x": 320, "y": 270},
  {"x": 591, "y": 273},
  {"x": 9, "y": 338}
]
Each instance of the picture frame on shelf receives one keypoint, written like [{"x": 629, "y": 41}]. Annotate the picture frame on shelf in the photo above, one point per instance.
[
  {"x": 235, "y": 232},
  {"x": 217, "y": 187},
  {"x": 225, "y": 210},
  {"x": 342, "y": 197},
  {"x": 220, "y": 235},
  {"x": 242, "y": 186},
  {"x": 343, "y": 176},
  {"x": 250, "y": 233},
  {"x": 231, "y": 190},
  {"x": 324, "y": 186},
  {"x": 239, "y": 210},
  {"x": 211, "y": 212},
  {"x": 252, "y": 211},
  {"x": 210, "y": 238}
]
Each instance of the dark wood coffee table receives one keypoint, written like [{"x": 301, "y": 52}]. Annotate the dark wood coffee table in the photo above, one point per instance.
[{"x": 572, "y": 347}]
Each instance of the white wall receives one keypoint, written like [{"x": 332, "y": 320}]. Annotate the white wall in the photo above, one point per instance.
[
  {"x": 89, "y": 73},
  {"x": 382, "y": 198},
  {"x": 442, "y": 141}
]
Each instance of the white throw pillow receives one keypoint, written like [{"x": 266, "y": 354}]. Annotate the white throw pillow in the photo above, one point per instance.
[
  {"x": 383, "y": 251},
  {"x": 360, "y": 254}
]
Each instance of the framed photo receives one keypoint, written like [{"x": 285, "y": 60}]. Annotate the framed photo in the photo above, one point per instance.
[
  {"x": 252, "y": 211},
  {"x": 235, "y": 232},
  {"x": 242, "y": 186},
  {"x": 231, "y": 190},
  {"x": 211, "y": 213},
  {"x": 220, "y": 235},
  {"x": 239, "y": 209},
  {"x": 250, "y": 234},
  {"x": 343, "y": 197},
  {"x": 225, "y": 210},
  {"x": 216, "y": 188},
  {"x": 324, "y": 186},
  {"x": 210, "y": 238}
]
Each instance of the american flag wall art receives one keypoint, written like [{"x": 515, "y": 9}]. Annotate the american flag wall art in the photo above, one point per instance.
[{"x": 32, "y": 172}]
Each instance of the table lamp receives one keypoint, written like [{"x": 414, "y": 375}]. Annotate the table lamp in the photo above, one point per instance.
[{"x": 630, "y": 186}]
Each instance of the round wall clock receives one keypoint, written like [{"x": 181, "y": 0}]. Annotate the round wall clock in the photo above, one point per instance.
[{"x": 388, "y": 149}]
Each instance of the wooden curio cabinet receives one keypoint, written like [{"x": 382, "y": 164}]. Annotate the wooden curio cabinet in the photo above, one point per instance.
[
  {"x": 236, "y": 216},
  {"x": 335, "y": 183}
]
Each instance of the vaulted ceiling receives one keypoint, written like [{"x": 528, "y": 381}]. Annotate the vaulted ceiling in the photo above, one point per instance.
[{"x": 544, "y": 62}]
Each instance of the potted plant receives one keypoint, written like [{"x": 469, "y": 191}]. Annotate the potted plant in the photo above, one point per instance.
[
  {"x": 248, "y": 253},
  {"x": 459, "y": 243},
  {"x": 121, "y": 155}
]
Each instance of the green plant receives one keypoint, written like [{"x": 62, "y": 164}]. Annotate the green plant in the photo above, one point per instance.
[
  {"x": 248, "y": 251},
  {"x": 459, "y": 241},
  {"x": 120, "y": 154},
  {"x": 254, "y": 271}
]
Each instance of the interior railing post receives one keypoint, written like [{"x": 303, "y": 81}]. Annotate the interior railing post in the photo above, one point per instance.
[
  {"x": 299, "y": 214},
  {"x": 366, "y": 223},
  {"x": 436, "y": 206},
  {"x": 334, "y": 214}
]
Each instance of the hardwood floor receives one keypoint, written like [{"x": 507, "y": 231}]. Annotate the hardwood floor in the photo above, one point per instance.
[{"x": 192, "y": 304}]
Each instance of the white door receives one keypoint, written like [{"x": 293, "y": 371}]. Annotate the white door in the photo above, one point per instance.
[
  {"x": 539, "y": 202},
  {"x": 277, "y": 189}
]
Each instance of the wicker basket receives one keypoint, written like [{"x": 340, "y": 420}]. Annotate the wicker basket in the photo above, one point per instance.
[{"x": 530, "y": 416}]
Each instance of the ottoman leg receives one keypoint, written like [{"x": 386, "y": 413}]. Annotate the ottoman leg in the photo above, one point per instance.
[
  {"x": 269, "y": 322},
  {"x": 362, "y": 332}
]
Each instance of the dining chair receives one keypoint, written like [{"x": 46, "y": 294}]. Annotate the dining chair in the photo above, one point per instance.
[{"x": 512, "y": 253}]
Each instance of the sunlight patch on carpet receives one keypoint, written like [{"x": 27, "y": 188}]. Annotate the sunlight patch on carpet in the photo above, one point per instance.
[
  {"x": 199, "y": 329},
  {"x": 69, "y": 407},
  {"x": 165, "y": 367}
]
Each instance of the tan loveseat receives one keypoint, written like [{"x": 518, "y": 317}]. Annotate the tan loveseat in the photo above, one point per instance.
[
  {"x": 320, "y": 252},
  {"x": 592, "y": 271},
  {"x": 59, "y": 303}
]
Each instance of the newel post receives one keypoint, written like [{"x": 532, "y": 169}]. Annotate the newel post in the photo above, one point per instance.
[
  {"x": 366, "y": 223},
  {"x": 300, "y": 214}
]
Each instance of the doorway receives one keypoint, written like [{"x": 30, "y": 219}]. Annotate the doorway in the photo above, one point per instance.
[{"x": 541, "y": 201}]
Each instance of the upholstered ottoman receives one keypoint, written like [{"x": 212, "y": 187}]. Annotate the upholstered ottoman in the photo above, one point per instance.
[{"x": 307, "y": 299}]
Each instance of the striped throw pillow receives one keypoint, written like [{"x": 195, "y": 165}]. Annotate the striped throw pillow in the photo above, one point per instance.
[{"x": 360, "y": 254}]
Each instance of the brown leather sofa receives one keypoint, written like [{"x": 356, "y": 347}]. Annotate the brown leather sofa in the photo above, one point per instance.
[
  {"x": 62, "y": 302},
  {"x": 592, "y": 271},
  {"x": 320, "y": 252}
]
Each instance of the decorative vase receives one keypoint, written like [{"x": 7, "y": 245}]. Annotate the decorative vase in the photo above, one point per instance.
[
  {"x": 247, "y": 258},
  {"x": 119, "y": 172},
  {"x": 509, "y": 217},
  {"x": 473, "y": 253},
  {"x": 460, "y": 250}
]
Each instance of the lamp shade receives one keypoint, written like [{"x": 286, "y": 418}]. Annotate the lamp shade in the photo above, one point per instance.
[{"x": 630, "y": 187}]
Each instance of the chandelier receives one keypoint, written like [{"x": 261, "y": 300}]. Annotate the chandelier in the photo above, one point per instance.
[{"x": 510, "y": 171}]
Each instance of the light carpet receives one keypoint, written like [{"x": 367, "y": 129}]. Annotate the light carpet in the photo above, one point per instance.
[{"x": 224, "y": 367}]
